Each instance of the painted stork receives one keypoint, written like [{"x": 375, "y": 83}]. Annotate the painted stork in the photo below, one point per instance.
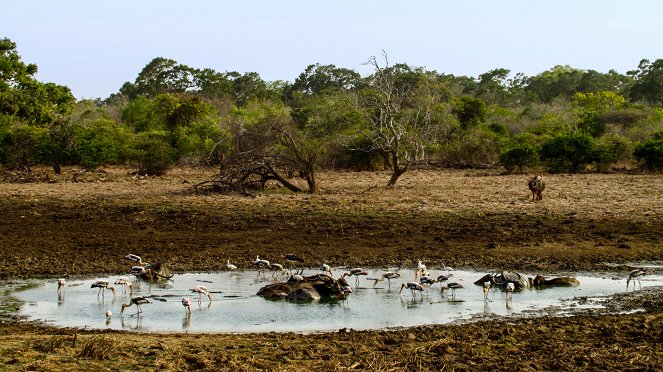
[
  {"x": 102, "y": 284},
  {"x": 260, "y": 263},
  {"x": 124, "y": 282},
  {"x": 134, "y": 258},
  {"x": 443, "y": 287},
  {"x": 355, "y": 272},
  {"x": 186, "y": 302},
  {"x": 61, "y": 284},
  {"x": 427, "y": 280},
  {"x": 275, "y": 267},
  {"x": 486, "y": 290},
  {"x": 510, "y": 287},
  {"x": 453, "y": 286},
  {"x": 388, "y": 275},
  {"x": 412, "y": 286},
  {"x": 230, "y": 266},
  {"x": 421, "y": 269},
  {"x": 442, "y": 278},
  {"x": 141, "y": 300},
  {"x": 635, "y": 275},
  {"x": 202, "y": 291}
]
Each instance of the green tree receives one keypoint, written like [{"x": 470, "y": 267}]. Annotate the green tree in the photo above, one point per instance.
[
  {"x": 470, "y": 111},
  {"x": 161, "y": 75},
  {"x": 31, "y": 102},
  {"x": 519, "y": 155},
  {"x": 320, "y": 78},
  {"x": 590, "y": 106},
  {"x": 648, "y": 82},
  {"x": 650, "y": 152},
  {"x": 569, "y": 151}
]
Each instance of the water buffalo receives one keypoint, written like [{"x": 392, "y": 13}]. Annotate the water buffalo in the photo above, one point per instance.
[{"x": 309, "y": 288}]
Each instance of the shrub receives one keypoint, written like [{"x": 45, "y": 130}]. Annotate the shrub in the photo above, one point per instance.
[
  {"x": 650, "y": 152},
  {"x": 569, "y": 151},
  {"x": 519, "y": 155}
]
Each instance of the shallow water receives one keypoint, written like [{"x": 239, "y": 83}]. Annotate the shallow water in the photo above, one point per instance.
[{"x": 236, "y": 308}]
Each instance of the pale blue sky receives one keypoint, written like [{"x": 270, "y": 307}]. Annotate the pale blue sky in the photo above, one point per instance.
[{"x": 94, "y": 47}]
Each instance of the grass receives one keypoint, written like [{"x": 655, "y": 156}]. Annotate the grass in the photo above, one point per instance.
[{"x": 97, "y": 348}]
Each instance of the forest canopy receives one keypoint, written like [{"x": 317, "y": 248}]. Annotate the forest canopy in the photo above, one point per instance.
[{"x": 400, "y": 116}]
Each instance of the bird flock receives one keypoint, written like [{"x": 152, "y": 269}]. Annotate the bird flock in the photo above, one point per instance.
[{"x": 296, "y": 266}]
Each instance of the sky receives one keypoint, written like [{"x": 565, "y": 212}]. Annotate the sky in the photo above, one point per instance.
[{"x": 94, "y": 47}]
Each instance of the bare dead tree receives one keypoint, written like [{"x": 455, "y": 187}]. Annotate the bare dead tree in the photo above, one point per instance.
[
  {"x": 273, "y": 151},
  {"x": 399, "y": 118}
]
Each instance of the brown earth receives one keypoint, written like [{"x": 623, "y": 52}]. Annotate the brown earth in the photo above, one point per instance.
[{"x": 84, "y": 223}]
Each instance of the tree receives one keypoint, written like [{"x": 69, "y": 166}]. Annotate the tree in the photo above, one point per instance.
[
  {"x": 398, "y": 107},
  {"x": 648, "y": 82},
  {"x": 320, "y": 78},
  {"x": 569, "y": 151},
  {"x": 590, "y": 106},
  {"x": 470, "y": 111},
  {"x": 161, "y": 75},
  {"x": 31, "y": 102},
  {"x": 650, "y": 152}
]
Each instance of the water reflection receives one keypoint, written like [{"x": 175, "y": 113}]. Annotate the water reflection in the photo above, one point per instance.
[{"x": 237, "y": 308}]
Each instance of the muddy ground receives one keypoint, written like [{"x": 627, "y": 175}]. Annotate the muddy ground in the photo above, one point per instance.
[{"x": 84, "y": 223}]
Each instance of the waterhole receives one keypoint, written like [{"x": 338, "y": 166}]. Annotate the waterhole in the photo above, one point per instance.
[{"x": 235, "y": 308}]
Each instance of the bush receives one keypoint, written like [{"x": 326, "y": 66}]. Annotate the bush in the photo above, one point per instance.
[
  {"x": 153, "y": 152},
  {"x": 613, "y": 148},
  {"x": 519, "y": 155},
  {"x": 650, "y": 152},
  {"x": 569, "y": 152}
]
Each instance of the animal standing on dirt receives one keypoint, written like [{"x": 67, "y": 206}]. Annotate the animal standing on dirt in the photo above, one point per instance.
[
  {"x": 61, "y": 284},
  {"x": 102, "y": 284},
  {"x": 412, "y": 286},
  {"x": 141, "y": 300},
  {"x": 356, "y": 273},
  {"x": 202, "y": 291},
  {"x": 635, "y": 275},
  {"x": 536, "y": 186}
]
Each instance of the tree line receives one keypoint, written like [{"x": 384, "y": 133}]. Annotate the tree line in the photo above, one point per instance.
[{"x": 400, "y": 116}]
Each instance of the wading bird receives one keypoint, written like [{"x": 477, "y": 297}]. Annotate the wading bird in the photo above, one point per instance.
[
  {"x": 326, "y": 269},
  {"x": 443, "y": 287},
  {"x": 202, "y": 291},
  {"x": 427, "y": 280},
  {"x": 186, "y": 302},
  {"x": 230, "y": 266},
  {"x": 635, "y": 275},
  {"x": 61, "y": 284},
  {"x": 141, "y": 300},
  {"x": 421, "y": 269},
  {"x": 510, "y": 287},
  {"x": 109, "y": 314},
  {"x": 453, "y": 287},
  {"x": 102, "y": 284},
  {"x": 293, "y": 258},
  {"x": 260, "y": 263},
  {"x": 275, "y": 267},
  {"x": 388, "y": 275},
  {"x": 355, "y": 272},
  {"x": 486, "y": 290},
  {"x": 124, "y": 282},
  {"x": 412, "y": 286},
  {"x": 134, "y": 258}
]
